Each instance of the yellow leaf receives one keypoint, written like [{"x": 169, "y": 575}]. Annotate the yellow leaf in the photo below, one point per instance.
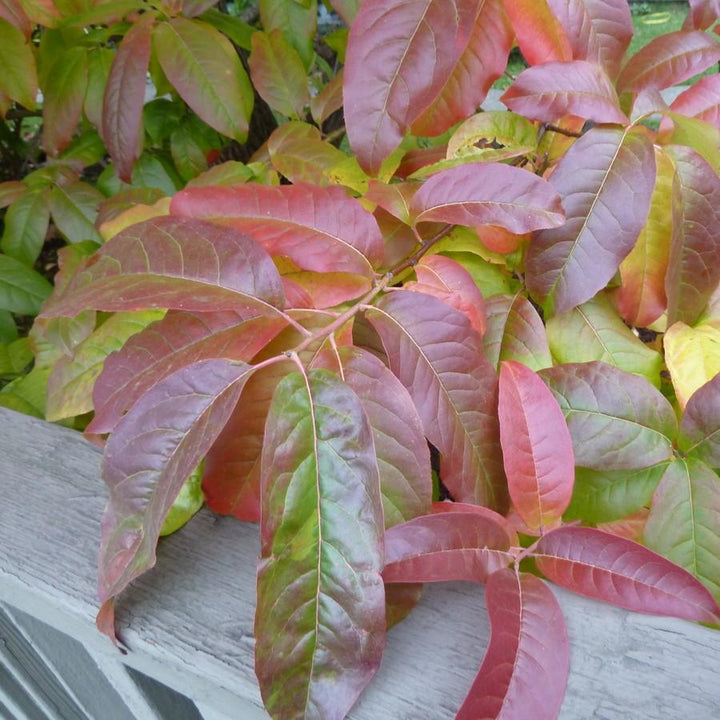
[{"x": 692, "y": 356}]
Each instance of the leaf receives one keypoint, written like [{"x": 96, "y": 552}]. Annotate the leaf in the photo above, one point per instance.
[
  {"x": 641, "y": 298},
  {"x": 10, "y": 191},
  {"x": 231, "y": 172},
  {"x": 15, "y": 357},
  {"x": 548, "y": 92},
  {"x": 618, "y": 421},
  {"x": 700, "y": 100},
  {"x": 204, "y": 68},
  {"x": 278, "y": 74},
  {"x": 598, "y": 30},
  {"x": 133, "y": 214},
  {"x": 436, "y": 355},
  {"x": 445, "y": 547},
  {"x": 22, "y": 290},
  {"x": 70, "y": 386},
  {"x": 320, "y": 620},
  {"x": 692, "y": 356},
  {"x": 684, "y": 520},
  {"x": 490, "y": 278},
  {"x": 19, "y": 77},
  {"x": 482, "y": 62},
  {"x": 63, "y": 97},
  {"x": 13, "y": 12},
  {"x": 180, "y": 339},
  {"x": 187, "y": 503},
  {"x": 668, "y": 60},
  {"x": 488, "y": 194},
  {"x": 399, "y": 57},
  {"x": 328, "y": 100},
  {"x": 346, "y": 9},
  {"x": 121, "y": 127},
  {"x": 146, "y": 464},
  {"x": 697, "y": 134},
  {"x": 537, "y": 447},
  {"x": 515, "y": 332},
  {"x": 297, "y": 19},
  {"x": 594, "y": 331},
  {"x": 26, "y": 225},
  {"x": 526, "y": 666},
  {"x": 700, "y": 425},
  {"x": 694, "y": 266},
  {"x": 605, "y": 181},
  {"x": 74, "y": 211},
  {"x": 171, "y": 262},
  {"x": 233, "y": 27},
  {"x": 603, "y": 496},
  {"x": 539, "y": 34},
  {"x": 319, "y": 229},
  {"x": 621, "y": 572}
]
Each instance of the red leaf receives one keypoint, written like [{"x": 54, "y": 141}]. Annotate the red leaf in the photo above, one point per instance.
[
  {"x": 325, "y": 289},
  {"x": 606, "y": 181},
  {"x": 445, "y": 547},
  {"x": 488, "y": 194},
  {"x": 399, "y": 57},
  {"x": 550, "y": 91},
  {"x": 700, "y": 426},
  {"x": 539, "y": 34},
  {"x": 121, "y": 128},
  {"x": 177, "y": 263},
  {"x": 537, "y": 447},
  {"x": 668, "y": 60},
  {"x": 526, "y": 666},
  {"x": 438, "y": 357},
  {"x": 448, "y": 506},
  {"x": 319, "y": 229},
  {"x": 701, "y": 100},
  {"x": 703, "y": 14}
]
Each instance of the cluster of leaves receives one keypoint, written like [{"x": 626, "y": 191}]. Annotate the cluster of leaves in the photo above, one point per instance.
[{"x": 532, "y": 293}]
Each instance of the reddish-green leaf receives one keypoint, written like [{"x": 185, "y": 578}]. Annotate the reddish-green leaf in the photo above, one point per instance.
[
  {"x": 605, "y": 181},
  {"x": 320, "y": 620},
  {"x": 74, "y": 210},
  {"x": 445, "y": 547},
  {"x": 205, "y": 69},
  {"x": 618, "y": 421},
  {"x": 173, "y": 263},
  {"x": 121, "y": 127},
  {"x": 26, "y": 224},
  {"x": 609, "y": 568},
  {"x": 278, "y": 74},
  {"x": 18, "y": 80},
  {"x": 515, "y": 332},
  {"x": 526, "y": 666},
  {"x": 700, "y": 425},
  {"x": 438, "y": 357},
  {"x": 399, "y": 57},
  {"x": 13, "y": 12},
  {"x": 319, "y": 229},
  {"x": 684, "y": 520},
  {"x": 488, "y": 194},
  {"x": 668, "y": 60},
  {"x": 539, "y": 33},
  {"x": 149, "y": 457},
  {"x": 701, "y": 100},
  {"x": 537, "y": 447},
  {"x": 10, "y": 191},
  {"x": 328, "y": 100},
  {"x": 180, "y": 339},
  {"x": 694, "y": 265}
]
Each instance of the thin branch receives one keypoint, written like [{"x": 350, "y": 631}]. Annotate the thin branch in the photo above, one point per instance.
[{"x": 562, "y": 130}]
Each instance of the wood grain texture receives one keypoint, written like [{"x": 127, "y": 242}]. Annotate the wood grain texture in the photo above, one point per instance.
[{"x": 188, "y": 622}]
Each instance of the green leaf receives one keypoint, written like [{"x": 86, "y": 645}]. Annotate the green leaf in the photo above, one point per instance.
[
  {"x": 187, "y": 503},
  {"x": 187, "y": 153},
  {"x": 491, "y": 279},
  {"x": 8, "y": 329},
  {"x": 27, "y": 393},
  {"x": 15, "y": 357},
  {"x": 26, "y": 225},
  {"x": 99, "y": 64},
  {"x": 236, "y": 29},
  {"x": 155, "y": 171},
  {"x": 479, "y": 136},
  {"x": 22, "y": 290},
  {"x": 320, "y": 620},
  {"x": 18, "y": 78},
  {"x": 74, "y": 210},
  {"x": 298, "y": 23},
  {"x": 161, "y": 117}
]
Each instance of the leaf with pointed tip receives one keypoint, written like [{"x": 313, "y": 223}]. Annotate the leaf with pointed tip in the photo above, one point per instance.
[
  {"x": 605, "y": 181},
  {"x": 618, "y": 421},
  {"x": 598, "y": 565},
  {"x": 537, "y": 447},
  {"x": 100, "y": 62},
  {"x": 488, "y": 194},
  {"x": 526, "y": 666},
  {"x": 482, "y": 62},
  {"x": 697, "y": 134},
  {"x": 701, "y": 100},
  {"x": 13, "y": 12},
  {"x": 278, "y": 74},
  {"x": 692, "y": 356},
  {"x": 26, "y": 224},
  {"x": 205, "y": 69},
  {"x": 594, "y": 331},
  {"x": 297, "y": 19},
  {"x": 399, "y": 57},
  {"x": 445, "y": 547},
  {"x": 515, "y": 332},
  {"x": 603, "y": 496},
  {"x": 449, "y": 506},
  {"x": 74, "y": 210},
  {"x": 22, "y": 289},
  {"x": 10, "y": 191},
  {"x": 668, "y": 60},
  {"x": 320, "y": 620},
  {"x": 180, "y": 339},
  {"x": 548, "y": 92},
  {"x": 641, "y": 298},
  {"x": 598, "y": 30},
  {"x": 172, "y": 262},
  {"x": 700, "y": 425},
  {"x": 539, "y": 34},
  {"x": 328, "y": 100},
  {"x": 438, "y": 357},
  {"x": 694, "y": 266},
  {"x": 19, "y": 77},
  {"x": 319, "y": 229},
  {"x": 684, "y": 520}
]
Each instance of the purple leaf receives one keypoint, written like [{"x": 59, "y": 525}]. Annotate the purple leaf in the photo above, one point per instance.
[{"x": 700, "y": 426}]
